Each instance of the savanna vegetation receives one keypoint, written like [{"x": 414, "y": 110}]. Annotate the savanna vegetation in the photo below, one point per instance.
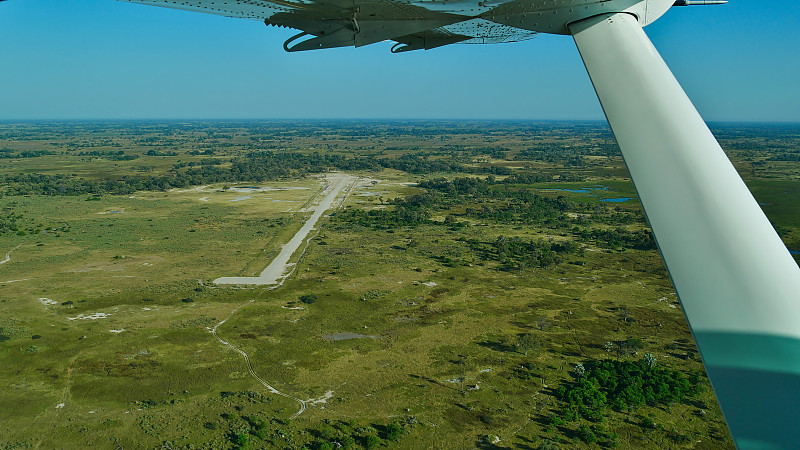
[{"x": 484, "y": 284}]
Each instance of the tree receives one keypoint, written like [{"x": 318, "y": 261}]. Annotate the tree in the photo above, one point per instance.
[
  {"x": 526, "y": 342},
  {"x": 586, "y": 435},
  {"x": 580, "y": 371},
  {"x": 372, "y": 442},
  {"x": 633, "y": 345},
  {"x": 393, "y": 431},
  {"x": 649, "y": 360},
  {"x": 542, "y": 323},
  {"x": 240, "y": 440}
]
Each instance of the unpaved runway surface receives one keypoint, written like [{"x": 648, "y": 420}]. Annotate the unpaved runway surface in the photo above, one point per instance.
[{"x": 276, "y": 271}]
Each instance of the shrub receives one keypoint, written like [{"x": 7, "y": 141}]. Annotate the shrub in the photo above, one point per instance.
[
  {"x": 586, "y": 435},
  {"x": 308, "y": 298},
  {"x": 372, "y": 442},
  {"x": 394, "y": 431}
]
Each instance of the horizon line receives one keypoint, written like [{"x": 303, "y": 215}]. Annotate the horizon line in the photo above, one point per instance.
[{"x": 387, "y": 119}]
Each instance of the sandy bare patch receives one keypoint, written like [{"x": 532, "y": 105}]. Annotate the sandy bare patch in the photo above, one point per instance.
[
  {"x": 93, "y": 316},
  {"x": 346, "y": 335},
  {"x": 319, "y": 401}
]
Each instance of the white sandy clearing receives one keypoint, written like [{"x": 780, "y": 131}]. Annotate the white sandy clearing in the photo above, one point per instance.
[
  {"x": 117, "y": 331},
  {"x": 93, "y": 316},
  {"x": 430, "y": 284},
  {"x": 249, "y": 189},
  {"x": 276, "y": 270},
  {"x": 203, "y": 199},
  {"x": 321, "y": 400},
  {"x": 193, "y": 189},
  {"x": 47, "y": 301}
]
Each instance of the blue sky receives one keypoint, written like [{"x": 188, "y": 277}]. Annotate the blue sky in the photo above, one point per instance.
[{"x": 103, "y": 59}]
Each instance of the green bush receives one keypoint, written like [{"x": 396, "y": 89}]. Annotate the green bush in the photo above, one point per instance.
[
  {"x": 372, "y": 442},
  {"x": 586, "y": 435},
  {"x": 240, "y": 440},
  {"x": 621, "y": 385},
  {"x": 394, "y": 431},
  {"x": 308, "y": 298}
]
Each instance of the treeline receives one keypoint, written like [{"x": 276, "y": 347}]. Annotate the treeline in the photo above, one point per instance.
[
  {"x": 785, "y": 157},
  {"x": 111, "y": 155},
  {"x": 255, "y": 167},
  {"x": 488, "y": 200},
  {"x": 153, "y": 152},
  {"x": 7, "y": 153}
]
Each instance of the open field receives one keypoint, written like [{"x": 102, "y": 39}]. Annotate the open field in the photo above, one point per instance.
[{"x": 429, "y": 311}]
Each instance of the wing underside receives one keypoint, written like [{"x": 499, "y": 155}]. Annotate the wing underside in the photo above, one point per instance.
[{"x": 345, "y": 23}]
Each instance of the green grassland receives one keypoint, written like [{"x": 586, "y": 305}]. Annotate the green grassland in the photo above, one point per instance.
[{"x": 413, "y": 337}]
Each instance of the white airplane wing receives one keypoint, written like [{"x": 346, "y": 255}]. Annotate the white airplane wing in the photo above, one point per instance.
[{"x": 341, "y": 23}]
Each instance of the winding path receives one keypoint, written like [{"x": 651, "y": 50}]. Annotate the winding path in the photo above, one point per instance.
[
  {"x": 250, "y": 369},
  {"x": 8, "y": 255},
  {"x": 276, "y": 273}
]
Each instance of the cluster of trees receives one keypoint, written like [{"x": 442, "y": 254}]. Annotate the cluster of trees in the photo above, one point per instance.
[
  {"x": 515, "y": 254},
  {"x": 618, "y": 238},
  {"x": 153, "y": 152},
  {"x": 7, "y": 153},
  {"x": 9, "y": 221},
  {"x": 566, "y": 155},
  {"x": 347, "y": 435},
  {"x": 383, "y": 219},
  {"x": 33, "y": 183},
  {"x": 623, "y": 385},
  {"x": 111, "y": 155},
  {"x": 244, "y": 432},
  {"x": 785, "y": 157},
  {"x": 457, "y": 149},
  {"x": 499, "y": 201}
]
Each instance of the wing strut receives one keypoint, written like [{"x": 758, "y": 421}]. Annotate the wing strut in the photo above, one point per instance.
[{"x": 737, "y": 283}]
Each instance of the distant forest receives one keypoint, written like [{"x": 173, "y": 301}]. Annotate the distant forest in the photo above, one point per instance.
[{"x": 254, "y": 167}]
